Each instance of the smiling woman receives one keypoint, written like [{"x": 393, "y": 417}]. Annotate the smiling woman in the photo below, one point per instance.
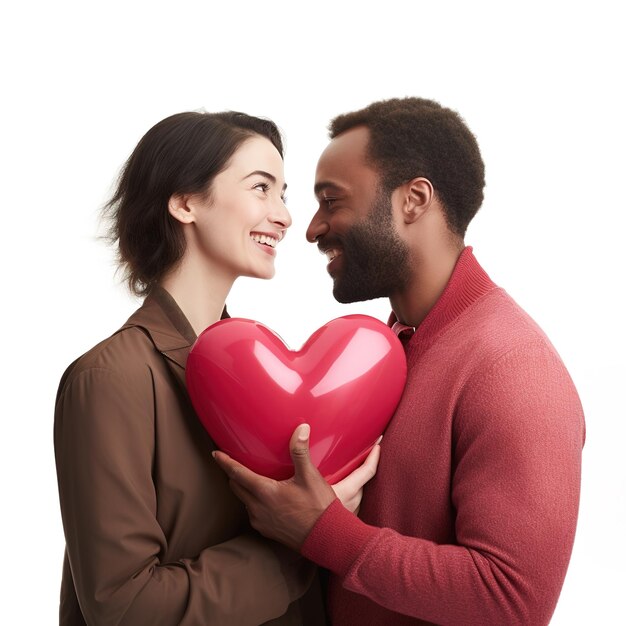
[
  {"x": 153, "y": 532},
  {"x": 230, "y": 230}
]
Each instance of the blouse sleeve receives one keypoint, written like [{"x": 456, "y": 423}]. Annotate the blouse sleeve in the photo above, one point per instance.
[{"x": 104, "y": 450}]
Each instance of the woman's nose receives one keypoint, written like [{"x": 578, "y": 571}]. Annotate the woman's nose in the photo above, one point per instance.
[{"x": 281, "y": 216}]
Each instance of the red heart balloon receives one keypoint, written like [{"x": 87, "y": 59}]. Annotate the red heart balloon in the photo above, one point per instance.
[{"x": 251, "y": 392}]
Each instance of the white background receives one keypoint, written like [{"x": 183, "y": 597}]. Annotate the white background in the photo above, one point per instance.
[{"x": 540, "y": 84}]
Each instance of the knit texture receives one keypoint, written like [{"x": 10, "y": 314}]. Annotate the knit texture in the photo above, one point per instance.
[{"x": 472, "y": 513}]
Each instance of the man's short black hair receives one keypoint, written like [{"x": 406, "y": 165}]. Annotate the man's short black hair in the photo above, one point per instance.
[{"x": 416, "y": 137}]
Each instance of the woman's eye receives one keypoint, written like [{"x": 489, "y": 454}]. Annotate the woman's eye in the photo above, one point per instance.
[
  {"x": 264, "y": 187},
  {"x": 284, "y": 199}
]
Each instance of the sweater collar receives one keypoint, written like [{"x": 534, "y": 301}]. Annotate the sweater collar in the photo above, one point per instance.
[{"x": 467, "y": 284}]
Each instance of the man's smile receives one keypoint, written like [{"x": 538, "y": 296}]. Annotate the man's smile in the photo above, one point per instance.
[{"x": 332, "y": 253}]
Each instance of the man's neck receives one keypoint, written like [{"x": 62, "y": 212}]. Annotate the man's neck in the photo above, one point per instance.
[{"x": 428, "y": 281}]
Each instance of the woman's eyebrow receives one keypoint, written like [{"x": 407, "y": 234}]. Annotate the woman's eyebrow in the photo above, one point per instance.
[{"x": 267, "y": 175}]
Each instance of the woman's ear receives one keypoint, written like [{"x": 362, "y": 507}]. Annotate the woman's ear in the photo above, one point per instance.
[
  {"x": 417, "y": 197},
  {"x": 180, "y": 209}
]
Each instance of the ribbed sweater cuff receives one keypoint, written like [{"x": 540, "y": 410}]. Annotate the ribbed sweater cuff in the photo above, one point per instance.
[{"x": 337, "y": 539}]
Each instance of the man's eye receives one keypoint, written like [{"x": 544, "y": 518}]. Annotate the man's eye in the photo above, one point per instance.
[{"x": 329, "y": 202}]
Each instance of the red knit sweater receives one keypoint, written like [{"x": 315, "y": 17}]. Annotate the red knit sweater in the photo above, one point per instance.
[{"x": 471, "y": 516}]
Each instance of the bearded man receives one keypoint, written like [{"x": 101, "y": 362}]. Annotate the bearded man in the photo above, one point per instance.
[{"x": 471, "y": 516}]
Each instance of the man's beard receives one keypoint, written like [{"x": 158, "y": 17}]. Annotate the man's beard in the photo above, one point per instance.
[{"x": 375, "y": 260}]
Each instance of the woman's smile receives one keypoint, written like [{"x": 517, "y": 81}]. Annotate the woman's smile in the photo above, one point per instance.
[{"x": 266, "y": 242}]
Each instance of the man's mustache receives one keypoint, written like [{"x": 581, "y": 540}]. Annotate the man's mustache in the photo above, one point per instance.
[{"x": 327, "y": 243}]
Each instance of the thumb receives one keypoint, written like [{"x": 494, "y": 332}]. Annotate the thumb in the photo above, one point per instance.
[{"x": 299, "y": 450}]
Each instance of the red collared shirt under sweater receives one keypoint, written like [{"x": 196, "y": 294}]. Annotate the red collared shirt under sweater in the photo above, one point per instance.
[{"x": 472, "y": 513}]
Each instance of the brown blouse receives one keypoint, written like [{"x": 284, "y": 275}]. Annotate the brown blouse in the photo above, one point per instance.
[{"x": 153, "y": 533}]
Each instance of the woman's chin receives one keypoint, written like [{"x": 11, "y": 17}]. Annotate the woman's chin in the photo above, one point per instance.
[{"x": 263, "y": 274}]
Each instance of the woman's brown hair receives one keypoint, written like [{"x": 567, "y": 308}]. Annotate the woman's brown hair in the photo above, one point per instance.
[{"x": 181, "y": 154}]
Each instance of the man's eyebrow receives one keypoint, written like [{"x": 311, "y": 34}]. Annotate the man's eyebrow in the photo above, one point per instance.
[
  {"x": 325, "y": 185},
  {"x": 267, "y": 175}
]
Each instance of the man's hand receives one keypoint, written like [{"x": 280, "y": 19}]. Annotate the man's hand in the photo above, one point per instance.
[{"x": 287, "y": 510}]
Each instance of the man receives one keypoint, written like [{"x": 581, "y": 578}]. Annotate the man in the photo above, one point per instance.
[{"x": 471, "y": 516}]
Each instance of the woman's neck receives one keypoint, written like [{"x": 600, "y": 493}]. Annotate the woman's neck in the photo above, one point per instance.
[{"x": 200, "y": 292}]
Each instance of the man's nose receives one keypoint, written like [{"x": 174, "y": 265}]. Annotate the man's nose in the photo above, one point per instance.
[{"x": 316, "y": 229}]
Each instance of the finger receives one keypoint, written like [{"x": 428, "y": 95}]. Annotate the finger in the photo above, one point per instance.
[
  {"x": 239, "y": 473},
  {"x": 299, "y": 450},
  {"x": 373, "y": 457},
  {"x": 361, "y": 475},
  {"x": 242, "y": 493}
]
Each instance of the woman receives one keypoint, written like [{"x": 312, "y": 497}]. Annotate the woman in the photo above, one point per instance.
[{"x": 153, "y": 533}]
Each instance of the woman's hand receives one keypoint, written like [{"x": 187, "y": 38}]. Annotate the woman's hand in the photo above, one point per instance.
[{"x": 350, "y": 489}]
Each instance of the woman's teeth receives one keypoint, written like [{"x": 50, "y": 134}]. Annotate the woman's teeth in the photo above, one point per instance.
[{"x": 264, "y": 239}]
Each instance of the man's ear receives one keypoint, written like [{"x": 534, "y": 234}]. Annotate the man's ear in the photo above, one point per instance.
[
  {"x": 417, "y": 196},
  {"x": 180, "y": 209}
]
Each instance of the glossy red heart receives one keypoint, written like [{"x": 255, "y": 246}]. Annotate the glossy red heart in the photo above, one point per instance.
[{"x": 250, "y": 391}]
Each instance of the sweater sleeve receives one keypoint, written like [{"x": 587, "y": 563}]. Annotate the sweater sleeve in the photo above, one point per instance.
[
  {"x": 517, "y": 439},
  {"x": 104, "y": 447}
]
